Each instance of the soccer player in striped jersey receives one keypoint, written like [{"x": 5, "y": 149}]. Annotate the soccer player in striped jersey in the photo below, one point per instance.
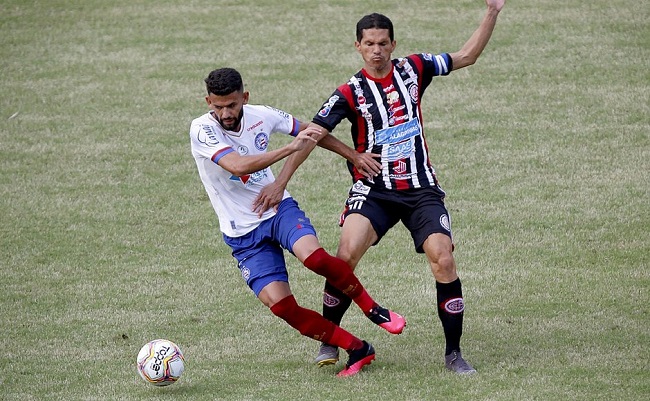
[
  {"x": 393, "y": 178},
  {"x": 230, "y": 148}
]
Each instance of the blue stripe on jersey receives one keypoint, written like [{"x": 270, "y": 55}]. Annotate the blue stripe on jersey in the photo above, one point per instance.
[
  {"x": 221, "y": 153},
  {"x": 296, "y": 127}
]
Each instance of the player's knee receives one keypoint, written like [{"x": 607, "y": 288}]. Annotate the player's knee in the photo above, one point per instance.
[
  {"x": 285, "y": 307},
  {"x": 297, "y": 317},
  {"x": 348, "y": 258},
  {"x": 443, "y": 265}
]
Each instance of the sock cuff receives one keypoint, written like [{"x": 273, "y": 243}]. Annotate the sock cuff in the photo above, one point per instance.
[
  {"x": 282, "y": 307},
  {"x": 454, "y": 285},
  {"x": 316, "y": 259}
]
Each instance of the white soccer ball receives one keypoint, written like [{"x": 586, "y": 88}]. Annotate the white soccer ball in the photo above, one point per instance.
[{"x": 160, "y": 362}]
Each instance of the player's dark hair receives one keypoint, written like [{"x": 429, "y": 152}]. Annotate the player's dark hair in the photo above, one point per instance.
[
  {"x": 377, "y": 21},
  {"x": 224, "y": 81}
]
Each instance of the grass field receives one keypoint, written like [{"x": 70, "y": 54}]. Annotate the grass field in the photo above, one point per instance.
[{"x": 108, "y": 239}]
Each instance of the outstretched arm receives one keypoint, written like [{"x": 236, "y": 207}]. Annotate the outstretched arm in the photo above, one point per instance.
[
  {"x": 271, "y": 195},
  {"x": 239, "y": 165},
  {"x": 473, "y": 48}
]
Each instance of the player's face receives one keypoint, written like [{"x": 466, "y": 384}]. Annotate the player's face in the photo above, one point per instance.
[
  {"x": 228, "y": 109},
  {"x": 376, "y": 49}
]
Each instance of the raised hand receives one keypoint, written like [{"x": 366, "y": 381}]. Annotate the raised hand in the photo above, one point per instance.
[{"x": 496, "y": 4}]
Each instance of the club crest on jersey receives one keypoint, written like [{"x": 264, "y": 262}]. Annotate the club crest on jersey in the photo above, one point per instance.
[
  {"x": 413, "y": 92},
  {"x": 261, "y": 141}
]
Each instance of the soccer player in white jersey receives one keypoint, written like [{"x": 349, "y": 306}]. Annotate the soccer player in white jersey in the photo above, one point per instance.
[
  {"x": 230, "y": 147},
  {"x": 382, "y": 103}
]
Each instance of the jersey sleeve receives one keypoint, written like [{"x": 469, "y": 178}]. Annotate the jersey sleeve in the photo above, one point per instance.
[
  {"x": 283, "y": 122},
  {"x": 206, "y": 143},
  {"x": 333, "y": 111},
  {"x": 433, "y": 65}
]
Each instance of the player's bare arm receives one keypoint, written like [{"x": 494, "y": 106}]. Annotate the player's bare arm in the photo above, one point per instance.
[
  {"x": 271, "y": 195},
  {"x": 473, "y": 48},
  {"x": 241, "y": 165},
  {"x": 366, "y": 163}
]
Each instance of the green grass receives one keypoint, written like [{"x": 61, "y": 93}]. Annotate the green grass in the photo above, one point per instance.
[{"x": 108, "y": 239}]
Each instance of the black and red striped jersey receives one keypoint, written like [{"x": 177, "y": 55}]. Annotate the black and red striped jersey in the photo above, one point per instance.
[{"x": 386, "y": 119}]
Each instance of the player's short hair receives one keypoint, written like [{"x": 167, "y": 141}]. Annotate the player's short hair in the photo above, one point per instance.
[
  {"x": 377, "y": 21},
  {"x": 224, "y": 81}
]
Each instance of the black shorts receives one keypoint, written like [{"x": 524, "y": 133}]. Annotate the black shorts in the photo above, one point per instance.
[{"x": 422, "y": 211}]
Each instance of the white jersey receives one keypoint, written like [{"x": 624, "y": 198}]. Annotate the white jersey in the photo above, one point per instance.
[{"x": 232, "y": 197}]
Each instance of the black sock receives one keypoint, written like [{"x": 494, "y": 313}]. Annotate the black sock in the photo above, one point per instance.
[
  {"x": 450, "y": 310},
  {"x": 335, "y": 304}
]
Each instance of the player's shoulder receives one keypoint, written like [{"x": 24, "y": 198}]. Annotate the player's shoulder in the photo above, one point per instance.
[
  {"x": 266, "y": 113},
  {"x": 263, "y": 110},
  {"x": 202, "y": 119},
  {"x": 351, "y": 83},
  {"x": 436, "y": 63}
]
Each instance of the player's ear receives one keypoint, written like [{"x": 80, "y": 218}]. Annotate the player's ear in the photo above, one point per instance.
[
  {"x": 207, "y": 100},
  {"x": 245, "y": 97}
]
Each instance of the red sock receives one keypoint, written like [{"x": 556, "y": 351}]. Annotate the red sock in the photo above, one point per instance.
[
  {"x": 311, "y": 324},
  {"x": 341, "y": 276}
]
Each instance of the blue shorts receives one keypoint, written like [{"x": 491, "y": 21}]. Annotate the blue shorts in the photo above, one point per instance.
[
  {"x": 422, "y": 211},
  {"x": 260, "y": 254}
]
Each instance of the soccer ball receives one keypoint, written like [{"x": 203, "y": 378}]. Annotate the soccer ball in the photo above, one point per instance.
[{"x": 160, "y": 362}]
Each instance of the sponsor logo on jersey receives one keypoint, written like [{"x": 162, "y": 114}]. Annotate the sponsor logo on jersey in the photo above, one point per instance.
[
  {"x": 242, "y": 150},
  {"x": 284, "y": 114},
  {"x": 207, "y": 135},
  {"x": 250, "y": 179},
  {"x": 397, "y": 133},
  {"x": 396, "y": 120},
  {"x": 359, "y": 187},
  {"x": 402, "y": 176},
  {"x": 257, "y": 124},
  {"x": 399, "y": 151},
  {"x": 400, "y": 167},
  {"x": 392, "y": 97},
  {"x": 327, "y": 107},
  {"x": 261, "y": 141},
  {"x": 454, "y": 306}
]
